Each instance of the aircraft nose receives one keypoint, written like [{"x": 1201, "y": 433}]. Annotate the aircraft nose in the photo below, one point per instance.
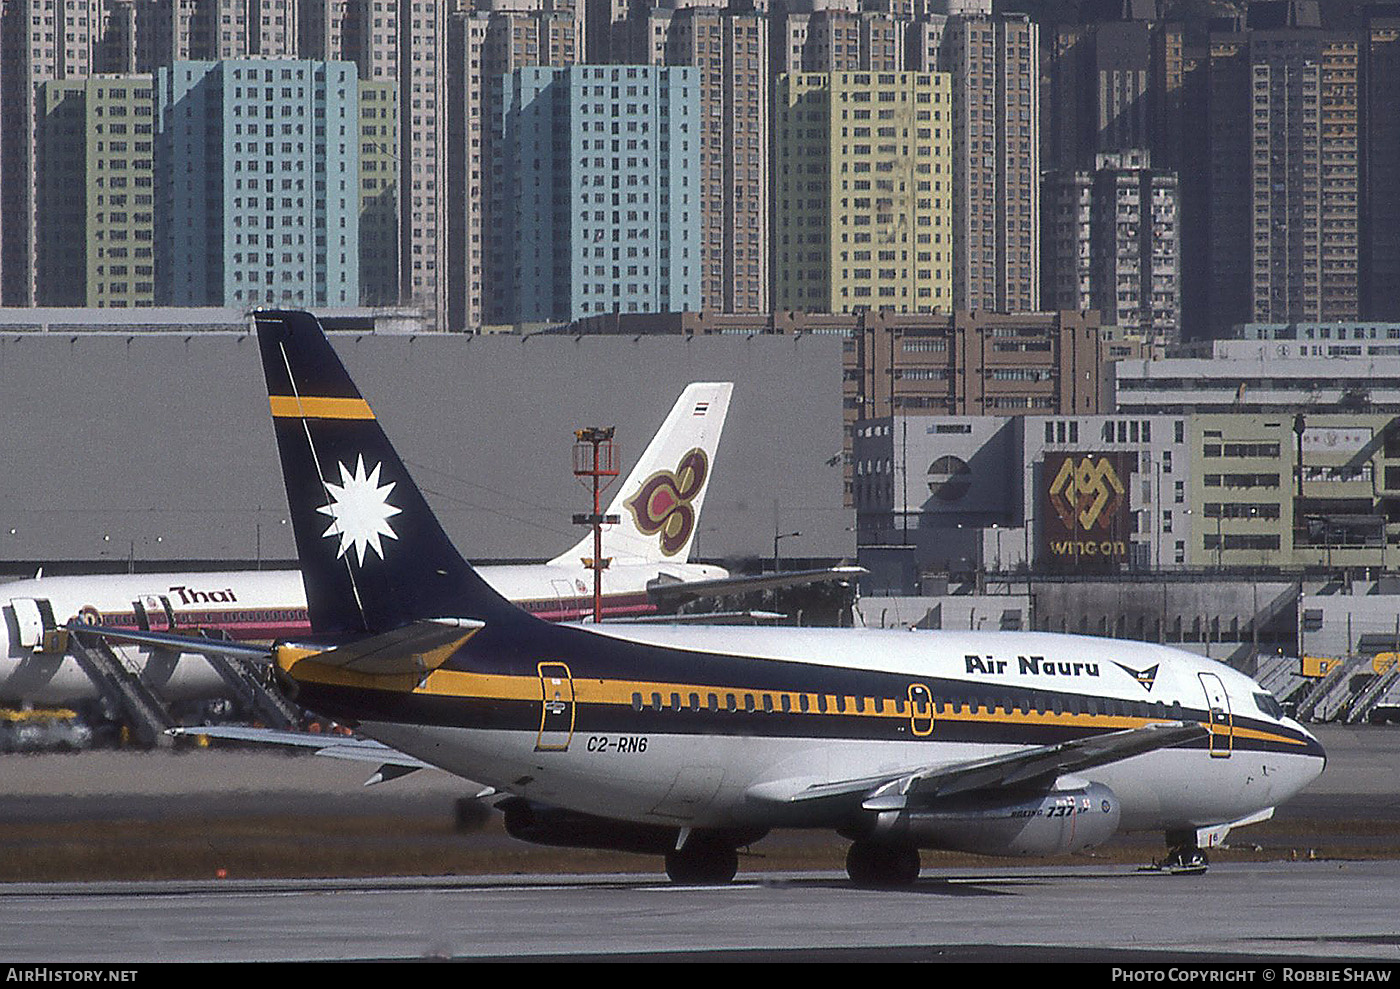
[
  {"x": 1311, "y": 763},
  {"x": 1316, "y": 750}
]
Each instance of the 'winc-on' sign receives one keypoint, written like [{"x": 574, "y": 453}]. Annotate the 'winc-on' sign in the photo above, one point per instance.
[{"x": 1086, "y": 509}]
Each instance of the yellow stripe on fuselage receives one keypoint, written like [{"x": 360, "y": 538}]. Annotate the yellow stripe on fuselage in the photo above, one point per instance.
[
  {"x": 313, "y": 407},
  {"x": 510, "y": 687}
]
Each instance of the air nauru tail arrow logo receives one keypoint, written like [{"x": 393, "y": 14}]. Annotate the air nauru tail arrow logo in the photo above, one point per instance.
[
  {"x": 361, "y": 510},
  {"x": 1146, "y": 677}
]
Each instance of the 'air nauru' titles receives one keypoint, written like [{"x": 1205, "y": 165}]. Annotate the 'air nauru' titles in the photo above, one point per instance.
[{"x": 1032, "y": 665}]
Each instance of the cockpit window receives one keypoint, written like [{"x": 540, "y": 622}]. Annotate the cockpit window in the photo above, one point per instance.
[{"x": 1267, "y": 704}]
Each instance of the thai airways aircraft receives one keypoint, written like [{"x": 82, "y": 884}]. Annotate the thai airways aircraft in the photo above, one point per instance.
[
  {"x": 692, "y": 742},
  {"x": 658, "y": 508}
]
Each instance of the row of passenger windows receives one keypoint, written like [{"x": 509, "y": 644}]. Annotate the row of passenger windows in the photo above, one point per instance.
[
  {"x": 769, "y": 703},
  {"x": 212, "y": 618}
]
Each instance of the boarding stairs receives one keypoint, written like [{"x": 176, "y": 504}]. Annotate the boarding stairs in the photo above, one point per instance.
[
  {"x": 1279, "y": 676},
  {"x": 1327, "y": 695},
  {"x": 129, "y": 696},
  {"x": 248, "y": 682},
  {"x": 1378, "y": 691}
]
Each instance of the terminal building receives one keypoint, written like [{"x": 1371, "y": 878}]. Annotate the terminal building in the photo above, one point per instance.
[
  {"x": 1115, "y": 493},
  {"x": 1253, "y": 537}
]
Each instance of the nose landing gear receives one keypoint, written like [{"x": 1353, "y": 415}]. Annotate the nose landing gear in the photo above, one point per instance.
[{"x": 1185, "y": 857}]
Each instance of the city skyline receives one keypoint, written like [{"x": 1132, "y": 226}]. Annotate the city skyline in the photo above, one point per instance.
[{"x": 1267, "y": 133}]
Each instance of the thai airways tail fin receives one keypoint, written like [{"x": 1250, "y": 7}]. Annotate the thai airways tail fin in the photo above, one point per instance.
[
  {"x": 373, "y": 555},
  {"x": 659, "y": 503}
]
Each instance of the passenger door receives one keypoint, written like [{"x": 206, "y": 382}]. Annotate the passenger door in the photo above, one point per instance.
[
  {"x": 556, "y": 708},
  {"x": 1222, "y": 722},
  {"x": 920, "y": 710}
]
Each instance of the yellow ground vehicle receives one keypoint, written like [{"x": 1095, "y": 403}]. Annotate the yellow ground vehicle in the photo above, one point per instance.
[{"x": 42, "y": 730}]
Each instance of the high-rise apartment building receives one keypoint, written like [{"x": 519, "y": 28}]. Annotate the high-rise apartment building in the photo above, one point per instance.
[
  {"x": 40, "y": 41},
  {"x": 862, "y": 192},
  {"x": 729, "y": 53},
  {"x": 379, "y": 193},
  {"x": 835, "y": 37},
  {"x": 1112, "y": 244},
  {"x": 602, "y": 166},
  {"x": 401, "y": 45},
  {"x": 60, "y": 183},
  {"x": 992, "y": 63},
  {"x": 484, "y": 47},
  {"x": 257, "y": 174},
  {"x": 1272, "y": 203},
  {"x": 1380, "y": 176},
  {"x": 211, "y": 30},
  {"x": 405, "y": 44},
  {"x": 1305, "y": 177},
  {"x": 96, "y": 193},
  {"x": 119, "y": 193},
  {"x": 1111, "y": 82}
]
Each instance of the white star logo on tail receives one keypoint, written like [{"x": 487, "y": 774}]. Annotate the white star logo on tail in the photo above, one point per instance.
[{"x": 361, "y": 510}]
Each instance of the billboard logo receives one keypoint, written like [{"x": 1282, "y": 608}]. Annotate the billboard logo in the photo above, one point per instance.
[{"x": 1087, "y": 498}]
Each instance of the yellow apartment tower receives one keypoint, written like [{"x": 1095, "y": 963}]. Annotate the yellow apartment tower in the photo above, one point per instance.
[{"x": 863, "y": 201}]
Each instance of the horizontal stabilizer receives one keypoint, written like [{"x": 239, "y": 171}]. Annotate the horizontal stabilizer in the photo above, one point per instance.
[
  {"x": 418, "y": 648},
  {"x": 335, "y": 746}
]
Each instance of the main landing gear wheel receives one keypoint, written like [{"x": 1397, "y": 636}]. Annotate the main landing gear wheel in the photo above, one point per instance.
[
  {"x": 876, "y": 866},
  {"x": 702, "y": 862}
]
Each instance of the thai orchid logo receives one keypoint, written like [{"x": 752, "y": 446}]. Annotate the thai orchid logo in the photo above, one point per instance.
[{"x": 663, "y": 505}]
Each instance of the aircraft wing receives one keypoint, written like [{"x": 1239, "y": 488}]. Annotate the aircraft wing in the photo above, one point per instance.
[
  {"x": 704, "y": 618},
  {"x": 898, "y": 788},
  {"x": 665, "y": 590},
  {"x": 169, "y": 640}
]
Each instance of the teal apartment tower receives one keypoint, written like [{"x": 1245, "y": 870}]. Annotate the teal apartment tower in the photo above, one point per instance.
[
  {"x": 595, "y": 186},
  {"x": 257, "y": 174}
]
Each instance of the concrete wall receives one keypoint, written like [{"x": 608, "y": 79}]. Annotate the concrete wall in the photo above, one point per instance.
[{"x": 158, "y": 447}]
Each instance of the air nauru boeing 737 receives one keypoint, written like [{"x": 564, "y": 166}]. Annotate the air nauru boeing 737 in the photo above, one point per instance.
[
  {"x": 658, "y": 507},
  {"x": 694, "y": 741}
]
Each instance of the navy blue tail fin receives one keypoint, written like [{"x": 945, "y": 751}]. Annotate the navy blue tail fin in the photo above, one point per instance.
[{"x": 373, "y": 555}]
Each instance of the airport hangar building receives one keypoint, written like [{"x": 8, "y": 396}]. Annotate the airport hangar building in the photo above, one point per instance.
[{"x": 142, "y": 440}]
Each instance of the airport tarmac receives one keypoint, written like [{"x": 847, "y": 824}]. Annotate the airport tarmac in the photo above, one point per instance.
[
  {"x": 1236, "y": 913},
  {"x": 208, "y": 855}
]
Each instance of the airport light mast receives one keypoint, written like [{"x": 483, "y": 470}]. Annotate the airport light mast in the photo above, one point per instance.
[{"x": 595, "y": 463}]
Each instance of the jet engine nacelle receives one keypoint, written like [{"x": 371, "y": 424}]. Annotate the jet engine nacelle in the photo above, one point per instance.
[
  {"x": 1055, "y": 822},
  {"x": 542, "y": 824}
]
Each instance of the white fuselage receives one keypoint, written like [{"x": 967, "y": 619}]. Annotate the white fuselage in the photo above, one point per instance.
[
  {"x": 250, "y": 605},
  {"x": 1256, "y": 759}
]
